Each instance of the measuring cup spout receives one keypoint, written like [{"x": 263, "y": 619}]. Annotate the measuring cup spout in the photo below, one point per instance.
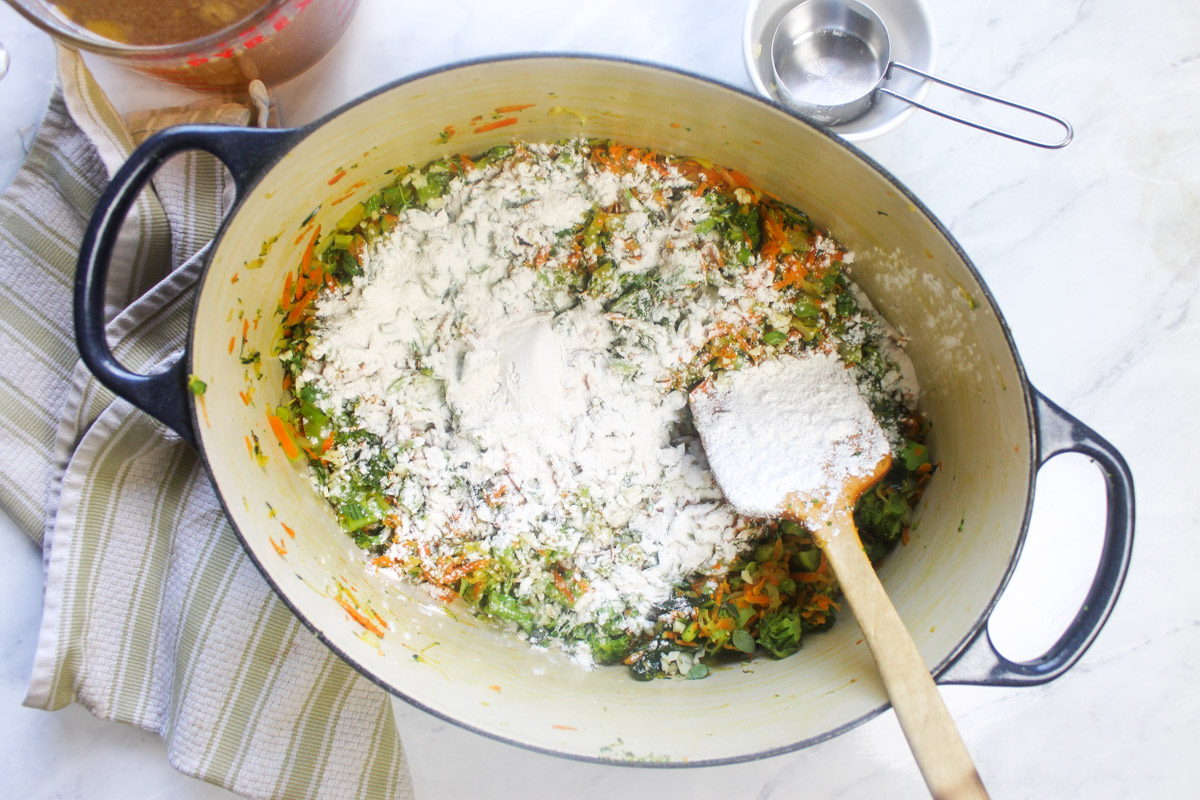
[{"x": 1068, "y": 132}]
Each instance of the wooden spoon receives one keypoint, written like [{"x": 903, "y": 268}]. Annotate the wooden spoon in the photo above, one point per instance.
[{"x": 794, "y": 439}]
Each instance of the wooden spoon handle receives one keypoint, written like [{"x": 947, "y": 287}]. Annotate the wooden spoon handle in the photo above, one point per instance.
[{"x": 941, "y": 755}]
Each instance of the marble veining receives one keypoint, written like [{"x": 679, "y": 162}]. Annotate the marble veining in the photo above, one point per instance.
[{"x": 1093, "y": 256}]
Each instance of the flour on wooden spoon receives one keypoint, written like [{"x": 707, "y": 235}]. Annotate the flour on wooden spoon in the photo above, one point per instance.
[{"x": 787, "y": 431}]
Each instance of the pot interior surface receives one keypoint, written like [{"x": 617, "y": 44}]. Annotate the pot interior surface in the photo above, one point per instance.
[{"x": 968, "y": 525}]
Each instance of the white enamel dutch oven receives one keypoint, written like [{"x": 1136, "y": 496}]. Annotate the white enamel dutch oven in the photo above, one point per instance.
[{"x": 991, "y": 432}]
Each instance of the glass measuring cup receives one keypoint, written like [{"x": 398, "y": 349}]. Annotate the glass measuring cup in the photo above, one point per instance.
[
  {"x": 277, "y": 41},
  {"x": 831, "y": 58}
]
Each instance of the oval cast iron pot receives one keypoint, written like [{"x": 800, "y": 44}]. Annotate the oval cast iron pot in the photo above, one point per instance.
[{"x": 991, "y": 432}]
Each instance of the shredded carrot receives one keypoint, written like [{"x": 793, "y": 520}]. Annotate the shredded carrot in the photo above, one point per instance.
[
  {"x": 358, "y": 249},
  {"x": 300, "y": 287},
  {"x": 232, "y": 343},
  {"x": 288, "y": 530},
  {"x": 279, "y": 548},
  {"x": 287, "y": 291},
  {"x": 740, "y": 179},
  {"x": 314, "y": 277},
  {"x": 495, "y": 688},
  {"x": 510, "y": 109},
  {"x": 561, "y": 583},
  {"x": 795, "y": 270},
  {"x": 285, "y": 439},
  {"x": 775, "y": 233},
  {"x": 327, "y": 443},
  {"x": 245, "y": 398},
  {"x": 249, "y": 446},
  {"x": 307, "y": 448},
  {"x": 306, "y": 259},
  {"x": 234, "y": 279},
  {"x": 500, "y": 123},
  {"x": 359, "y": 617},
  {"x": 454, "y": 573},
  {"x": 653, "y": 163},
  {"x": 754, "y": 595},
  {"x": 341, "y": 174},
  {"x": 564, "y": 728},
  {"x": 301, "y": 306}
]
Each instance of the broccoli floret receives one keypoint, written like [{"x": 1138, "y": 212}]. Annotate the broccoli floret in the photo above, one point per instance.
[
  {"x": 506, "y": 607},
  {"x": 875, "y": 549},
  {"x": 374, "y": 541},
  {"x": 882, "y": 511},
  {"x": 608, "y": 643},
  {"x": 779, "y": 632},
  {"x": 609, "y": 649}
]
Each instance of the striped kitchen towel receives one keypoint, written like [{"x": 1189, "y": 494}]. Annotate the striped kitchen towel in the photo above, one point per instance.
[{"x": 153, "y": 614}]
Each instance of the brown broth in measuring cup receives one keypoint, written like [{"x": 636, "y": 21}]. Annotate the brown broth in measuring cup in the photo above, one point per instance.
[
  {"x": 139, "y": 22},
  {"x": 210, "y": 45}
]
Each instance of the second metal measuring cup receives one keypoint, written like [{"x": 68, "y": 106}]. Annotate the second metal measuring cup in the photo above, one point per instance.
[{"x": 832, "y": 57}]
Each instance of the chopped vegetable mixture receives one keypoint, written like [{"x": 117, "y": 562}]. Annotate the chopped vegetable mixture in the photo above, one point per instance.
[{"x": 677, "y": 269}]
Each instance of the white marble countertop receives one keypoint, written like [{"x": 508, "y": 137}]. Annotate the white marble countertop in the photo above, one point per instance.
[{"x": 1093, "y": 254}]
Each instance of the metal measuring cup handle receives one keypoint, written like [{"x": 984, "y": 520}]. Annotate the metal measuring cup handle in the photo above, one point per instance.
[{"x": 1069, "y": 131}]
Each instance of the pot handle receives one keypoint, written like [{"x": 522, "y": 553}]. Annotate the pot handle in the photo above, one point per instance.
[
  {"x": 980, "y": 663},
  {"x": 164, "y": 394}
]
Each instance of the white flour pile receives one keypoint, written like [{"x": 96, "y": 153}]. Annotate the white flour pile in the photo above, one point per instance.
[{"x": 517, "y": 424}]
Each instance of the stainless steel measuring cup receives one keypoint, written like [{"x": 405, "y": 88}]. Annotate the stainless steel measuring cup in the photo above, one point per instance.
[{"x": 831, "y": 59}]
